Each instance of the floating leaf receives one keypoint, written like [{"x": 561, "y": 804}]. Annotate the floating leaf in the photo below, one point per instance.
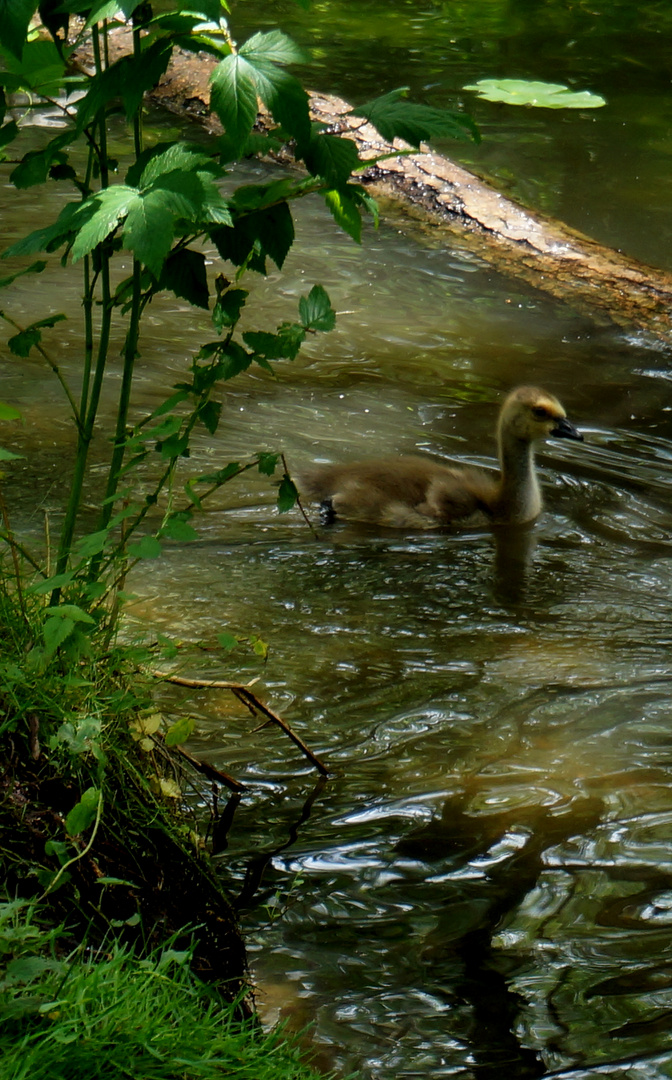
[{"x": 541, "y": 95}]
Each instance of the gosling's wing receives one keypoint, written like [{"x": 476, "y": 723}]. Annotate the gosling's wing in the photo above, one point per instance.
[{"x": 460, "y": 495}]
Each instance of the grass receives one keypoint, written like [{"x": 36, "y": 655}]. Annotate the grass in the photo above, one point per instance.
[{"x": 115, "y": 1014}]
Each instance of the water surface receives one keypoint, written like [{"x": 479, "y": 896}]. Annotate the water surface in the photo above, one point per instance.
[{"x": 484, "y": 883}]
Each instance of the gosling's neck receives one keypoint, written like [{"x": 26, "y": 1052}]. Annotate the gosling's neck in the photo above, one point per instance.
[{"x": 519, "y": 498}]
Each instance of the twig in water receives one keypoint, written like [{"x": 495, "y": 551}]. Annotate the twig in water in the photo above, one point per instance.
[{"x": 245, "y": 695}]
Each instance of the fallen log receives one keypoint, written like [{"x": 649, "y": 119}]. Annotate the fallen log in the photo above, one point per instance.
[{"x": 595, "y": 280}]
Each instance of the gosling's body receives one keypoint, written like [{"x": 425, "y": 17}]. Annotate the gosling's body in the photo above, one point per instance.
[{"x": 416, "y": 492}]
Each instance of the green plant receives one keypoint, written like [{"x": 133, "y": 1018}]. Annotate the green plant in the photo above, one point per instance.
[
  {"x": 168, "y": 205},
  {"x": 71, "y": 1012}
]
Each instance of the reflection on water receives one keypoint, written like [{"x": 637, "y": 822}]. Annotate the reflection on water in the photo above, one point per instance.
[{"x": 485, "y": 881}]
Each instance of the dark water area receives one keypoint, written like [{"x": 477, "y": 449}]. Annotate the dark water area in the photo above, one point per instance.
[{"x": 483, "y": 886}]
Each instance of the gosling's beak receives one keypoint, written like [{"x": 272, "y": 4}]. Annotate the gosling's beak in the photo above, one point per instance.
[{"x": 564, "y": 430}]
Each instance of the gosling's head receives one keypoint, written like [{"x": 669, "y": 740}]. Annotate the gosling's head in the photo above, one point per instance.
[{"x": 529, "y": 414}]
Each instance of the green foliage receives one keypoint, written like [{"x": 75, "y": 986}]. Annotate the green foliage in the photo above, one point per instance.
[
  {"x": 159, "y": 216},
  {"x": 111, "y": 1013}
]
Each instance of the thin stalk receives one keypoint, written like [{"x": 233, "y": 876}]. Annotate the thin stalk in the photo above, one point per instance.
[
  {"x": 9, "y": 537},
  {"x": 119, "y": 449},
  {"x": 88, "y": 417}
]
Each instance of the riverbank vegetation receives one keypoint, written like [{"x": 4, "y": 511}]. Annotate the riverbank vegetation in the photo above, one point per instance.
[{"x": 120, "y": 951}]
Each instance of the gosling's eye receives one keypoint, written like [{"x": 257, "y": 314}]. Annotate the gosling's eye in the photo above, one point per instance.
[{"x": 540, "y": 413}]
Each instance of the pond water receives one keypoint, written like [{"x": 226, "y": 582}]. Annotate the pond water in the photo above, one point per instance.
[{"x": 484, "y": 883}]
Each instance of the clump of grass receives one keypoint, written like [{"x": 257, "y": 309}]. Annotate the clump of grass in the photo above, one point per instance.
[{"x": 114, "y": 1014}]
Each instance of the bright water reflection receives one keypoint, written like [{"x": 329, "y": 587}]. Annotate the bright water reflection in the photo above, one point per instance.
[{"x": 485, "y": 882}]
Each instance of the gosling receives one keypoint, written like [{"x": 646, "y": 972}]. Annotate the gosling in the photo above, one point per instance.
[{"x": 417, "y": 493}]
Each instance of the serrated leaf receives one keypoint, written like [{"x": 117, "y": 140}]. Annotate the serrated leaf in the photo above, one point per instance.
[
  {"x": 285, "y": 99},
  {"x": 395, "y": 118},
  {"x": 149, "y": 230},
  {"x": 332, "y": 157},
  {"x": 71, "y": 611},
  {"x": 15, "y": 16},
  {"x": 147, "y": 548},
  {"x": 228, "y": 307},
  {"x": 345, "y": 212},
  {"x": 269, "y": 231},
  {"x": 55, "y": 631},
  {"x": 180, "y": 731},
  {"x": 167, "y": 157},
  {"x": 267, "y": 463},
  {"x": 273, "y": 45},
  {"x": 184, "y": 275},
  {"x": 84, "y": 812},
  {"x": 541, "y": 95},
  {"x": 110, "y": 206},
  {"x": 234, "y": 97},
  {"x": 315, "y": 310}
]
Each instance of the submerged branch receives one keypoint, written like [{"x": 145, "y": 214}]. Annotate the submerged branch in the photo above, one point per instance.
[{"x": 245, "y": 695}]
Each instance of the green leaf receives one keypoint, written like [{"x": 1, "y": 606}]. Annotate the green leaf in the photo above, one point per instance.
[
  {"x": 49, "y": 584},
  {"x": 395, "y": 118},
  {"x": 234, "y": 97},
  {"x": 166, "y": 157},
  {"x": 91, "y": 544},
  {"x": 345, "y": 212},
  {"x": 287, "y": 494},
  {"x": 55, "y": 632},
  {"x": 21, "y": 344},
  {"x": 35, "y": 268},
  {"x": 267, "y": 463},
  {"x": 7, "y": 455},
  {"x": 149, "y": 231},
  {"x": 84, "y": 812},
  {"x": 209, "y": 415},
  {"x": 275, "y": 46},
  {"x": 35, "y": 166},
  {"x": 147, "y": 548},
  {"x": 228, "y": 307},
  {"x": 15, "y": 16},
  {"x": 8, "y": 412},
  {"x": 184, "y": 274},
  {"x": 177, "y": 528},
  {"x": 333, "y": 158},
  {"x": 541, "y": 95},
  {"x": 285, "y": 99},
  {"x": 110, "y": 206},
  {"x": 227, "y": 641},
  {"x": 71, "y": 218},
  {"x": 180, "y": 731},
  {"x": 8, "y": 133},
  {"x": 264, "y": 232},
  {"x": 284, "y": 345},
  {"x": 71, "y": 611},
  {"x": 315, "y": 310}
]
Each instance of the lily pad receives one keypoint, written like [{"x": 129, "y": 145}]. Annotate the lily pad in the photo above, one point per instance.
[{"x": 541, "y": 95}]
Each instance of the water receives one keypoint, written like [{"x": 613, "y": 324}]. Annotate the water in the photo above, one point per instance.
[{"x": 485, "y": 880}]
